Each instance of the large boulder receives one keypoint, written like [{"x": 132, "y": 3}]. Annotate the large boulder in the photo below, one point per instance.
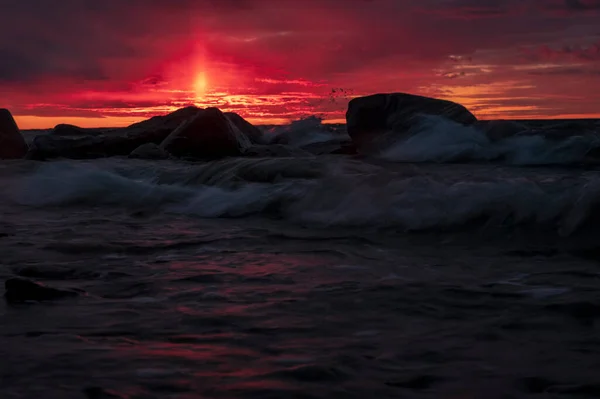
[
  {"x": 12, "y": 143},
  {"x": 209, "y": 135},
  {"x": 371, "y": 117}
]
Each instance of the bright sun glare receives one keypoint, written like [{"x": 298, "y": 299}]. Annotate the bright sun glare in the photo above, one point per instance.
[{"x": 200, "y": 84}]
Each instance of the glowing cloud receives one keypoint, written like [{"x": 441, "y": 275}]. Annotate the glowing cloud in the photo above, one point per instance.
[{"x": 111, "y": 62}]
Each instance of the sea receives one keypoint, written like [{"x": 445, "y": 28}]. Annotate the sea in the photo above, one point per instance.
[{"x": 412, "y": 274}]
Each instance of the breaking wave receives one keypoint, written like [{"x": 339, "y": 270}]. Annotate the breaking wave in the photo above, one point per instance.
[
  {"x": 319, "y": 194},
  {"x": 304, "y": 132},
  {"x": 436, "y": 139}
]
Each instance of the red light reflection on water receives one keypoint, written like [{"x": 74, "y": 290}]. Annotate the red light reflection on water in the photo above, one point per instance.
[
  {"x": 216, "y": 297},
  {"x": 246, "y": 267}
]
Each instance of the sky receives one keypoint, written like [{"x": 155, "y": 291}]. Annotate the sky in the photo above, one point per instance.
[{"x": 114, "y": 62}]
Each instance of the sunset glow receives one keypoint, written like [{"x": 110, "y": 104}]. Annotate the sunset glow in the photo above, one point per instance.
[
  {"x": 275, "y": 61},
  {"x": 200, "y": 86}
]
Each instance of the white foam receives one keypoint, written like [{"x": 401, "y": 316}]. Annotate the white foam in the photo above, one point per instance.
[
  {"x": 303, "y": 132},
  {"x": 436, "y": 139},
  {"x": 338, "y": 198}
]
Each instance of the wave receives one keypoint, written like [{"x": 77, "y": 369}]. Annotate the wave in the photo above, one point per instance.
[
  {"x": 436, "y": 139},
  {"x": 340, "y": 195},
  {"x": 304, "y": 132}
]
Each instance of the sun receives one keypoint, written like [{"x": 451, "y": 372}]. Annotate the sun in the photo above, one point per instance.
[{"x": 200, "y": 84}]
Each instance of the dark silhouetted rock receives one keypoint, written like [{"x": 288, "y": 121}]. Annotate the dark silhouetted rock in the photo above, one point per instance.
[
  {"x": 21, "y": 289},
  {"x": 167, "y": 122},
  {"x": 187, "y": 132},
  {"x": 209, "y": 135},
  {"x": 254, "y": 134},
  {"x": 275, "y": 151},
  {"x": 12, "y": 143},
  {"x": 149, "y": 151},
  {"x": 371, "y": 117},
  {"x": 72, "y": 130},
  {"x": 98, "y": 143},
  {"x": 119, "y": 142}
]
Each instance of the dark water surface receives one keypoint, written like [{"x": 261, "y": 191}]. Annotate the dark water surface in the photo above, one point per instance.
[{"x": 185, "y": 298}]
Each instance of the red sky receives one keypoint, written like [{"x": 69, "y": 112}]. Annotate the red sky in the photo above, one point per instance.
[{"x": 112, "y": 62}]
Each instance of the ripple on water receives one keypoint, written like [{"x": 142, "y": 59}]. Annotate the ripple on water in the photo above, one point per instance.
[{"x": 180, "y": 307}]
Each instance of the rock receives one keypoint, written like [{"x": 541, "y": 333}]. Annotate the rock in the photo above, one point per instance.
[
  {"x": 72, "y": 130},
  {"x": 371, "y": 117},
  {"x": 190, "y": 131},
  {"x": 209, "y": 135},
  {"x": 12, "y": 143},
  {"x": 98, "y": 143},
  {"x": 149, "y": 151},
  {"x": 167, "y": 122},
  {"x": 275, "y": 151},
  {"x": 121, "y": 142},
  {"x": 254, "y": 134},
  {"x": 21, "y": 289}
]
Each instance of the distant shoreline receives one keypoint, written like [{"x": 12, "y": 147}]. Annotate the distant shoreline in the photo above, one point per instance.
[{"x": 544, "y": 121}]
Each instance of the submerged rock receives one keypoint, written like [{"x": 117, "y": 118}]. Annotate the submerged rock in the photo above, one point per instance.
[
  {"x": 21, "y": 289},
  {"x": 371, "y": 117},
  {"x": 209, "y": 135},
  {"x": 12, "y": 143},
  {"x": 149, "y": 151}
]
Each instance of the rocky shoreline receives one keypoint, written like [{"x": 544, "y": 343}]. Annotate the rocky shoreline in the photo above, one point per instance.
[{"x": 373, "y": 123}]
